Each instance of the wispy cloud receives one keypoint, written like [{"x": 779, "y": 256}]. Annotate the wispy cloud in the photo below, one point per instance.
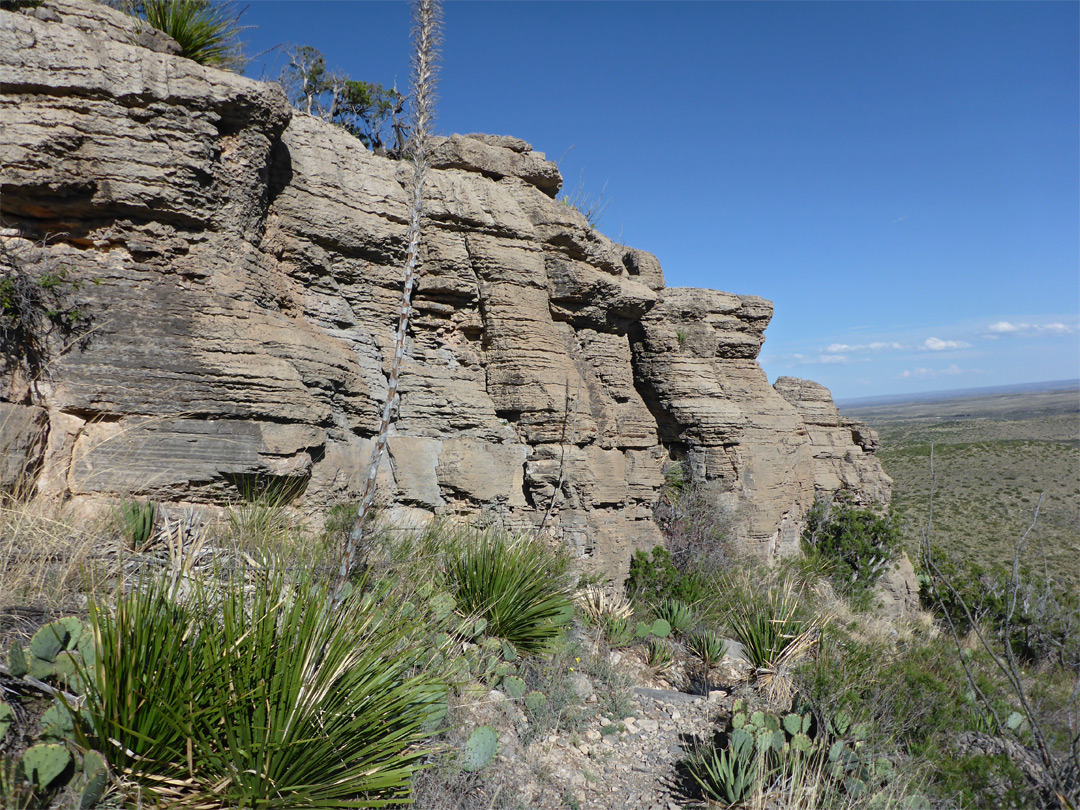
[
  {"x": 950, "y": 371},
  {"x": 877, "y": 346},
  {"x": 934, "y": 344},
  {"x": 800, "y": 359},
  {"x": 1027, "y": 329}
]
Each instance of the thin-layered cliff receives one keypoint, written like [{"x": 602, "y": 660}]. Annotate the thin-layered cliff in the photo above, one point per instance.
[{"x": 238, "y": 272}]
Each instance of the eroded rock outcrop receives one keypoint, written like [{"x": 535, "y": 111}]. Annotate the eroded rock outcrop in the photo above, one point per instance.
[
  {"x": 843, "y": 448},
  {"x": 239, "y": 270}
]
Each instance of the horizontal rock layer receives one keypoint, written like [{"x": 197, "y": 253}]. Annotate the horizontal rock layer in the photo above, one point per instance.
[{"x": 236, "y": 268}]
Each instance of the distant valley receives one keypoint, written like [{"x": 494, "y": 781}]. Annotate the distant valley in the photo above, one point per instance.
[{"x": 995, "y": 453}]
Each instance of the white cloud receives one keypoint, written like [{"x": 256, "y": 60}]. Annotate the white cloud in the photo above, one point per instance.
[
  {"x": 934, "y": 344},
  {"x": 877, "y": 346},
  {"x": 833, "y": 359},
  {"x": 1027, "y": 329},
  {"x": 925, "y": 373},
  {"x": 917, "y": 372}
]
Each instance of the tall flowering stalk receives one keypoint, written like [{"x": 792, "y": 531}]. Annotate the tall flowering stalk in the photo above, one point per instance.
[{"x": 427, "y": 36}]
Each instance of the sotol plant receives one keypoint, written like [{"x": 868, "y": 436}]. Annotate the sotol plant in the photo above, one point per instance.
[
  {"x": 206, "y": 30},
  {"x": 516, "y": 584},
  {"x": 427, "y": 35},
  {"x": 259, "y": 694}
]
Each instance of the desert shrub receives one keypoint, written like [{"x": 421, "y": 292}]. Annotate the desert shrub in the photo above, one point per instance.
[
  {"x": 653, "y": 579},
  {"x": 257, "y": 693},
  {"x": 1044, "y": 624},
  {"x": 367, "y": 110},
  {"x": 518, "y": 584},
  {"x": 916, "y": 699},
  {"x": 694, "y": 522},
  {"x": 206, "y": 30},
  {"x": 37, "y": 303},
  {"x": 561, "y": 709},
  {"x": 854, "y": 545}
]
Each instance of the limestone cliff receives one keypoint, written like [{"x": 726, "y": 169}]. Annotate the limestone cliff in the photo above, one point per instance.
[{"x": 244, "y": 261}]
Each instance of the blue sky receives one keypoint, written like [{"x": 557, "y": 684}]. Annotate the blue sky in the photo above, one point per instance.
[{"x": 901, "y": 179}]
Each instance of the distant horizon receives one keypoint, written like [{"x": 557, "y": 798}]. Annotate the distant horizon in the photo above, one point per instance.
[{"x": 958, "y": 393}]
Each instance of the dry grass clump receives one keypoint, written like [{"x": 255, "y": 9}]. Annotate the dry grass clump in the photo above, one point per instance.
[
  {"x": 598, "y": 604},
  {"x": 45, "y": 555}
]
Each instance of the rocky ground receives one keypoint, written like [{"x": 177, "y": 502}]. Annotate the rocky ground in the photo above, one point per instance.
[{"x": 618, "y": 757}]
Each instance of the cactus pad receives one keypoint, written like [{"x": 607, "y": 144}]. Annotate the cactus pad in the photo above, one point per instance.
[
  {"x": 535, "y": 701},
  {"x": 56, "y": 723},
  {"x": 44, "y": 763},
  {"x": 479, "y": 750},
  {"x": 17, "y": 664},
  {"x": 48, "y": 641},
  {"x": 7, "y": 718},
  {"x": 94, "y": 788},
  {"x": 514, "y": 686},
  {"x": 800, "y": 742},
  {"x": 661, "y": 628},
  {"x": 39, "y": 668},
  {"x": 792, "y": 724}
]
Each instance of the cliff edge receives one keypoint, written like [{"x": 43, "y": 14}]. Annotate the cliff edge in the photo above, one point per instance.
[{"x": 236, "y": 264}]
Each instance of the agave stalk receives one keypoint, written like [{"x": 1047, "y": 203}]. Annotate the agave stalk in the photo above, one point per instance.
[{"x": 427, "y": 35}]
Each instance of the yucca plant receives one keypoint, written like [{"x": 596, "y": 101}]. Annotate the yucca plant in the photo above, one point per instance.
[
  {"x": 517, "y": 584},
  {"x": 708, "y": 647},
  {"x": 727, "y": 775},
  {"x": 257, "y": 695},
  {"x": 774, "y": 633},
  {"x": 658, "y": 654},
  {"x": 676, "y": 613},
  {"x": 206, "y": 30}
]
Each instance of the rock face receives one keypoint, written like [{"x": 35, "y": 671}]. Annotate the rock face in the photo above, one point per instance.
[
  {"x": 237, "y": 267},
  {"x": 843, "y": 448}
]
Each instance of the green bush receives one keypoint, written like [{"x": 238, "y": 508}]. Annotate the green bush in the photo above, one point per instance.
[
  {"x": 854, "y": 545},
  {"x": 916, "y": 700},
  {"x": 206, "y": 30},
  {"x": 518, "y": 584},
  {"x": 1044, "y": 625},
  {"x": 653, "y": 579},
  {"x": 257, "y": 694}
]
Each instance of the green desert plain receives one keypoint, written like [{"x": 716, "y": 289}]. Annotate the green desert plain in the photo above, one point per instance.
[{"x": 996, "y": 453}]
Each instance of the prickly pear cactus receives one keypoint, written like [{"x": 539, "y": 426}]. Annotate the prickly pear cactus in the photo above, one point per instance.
[
  {"x": 45, "y": 763},
  {"x": 514, "y": 686},
  {"x": 480, "y": 749},
  {"x": 535, "y": 701},
  {"x": 442, "y": 605},
  {"x": 48, "y": 641},
  {"x": 17, "y": 664},
  {"x": 661, "y": 628},
  {"x": 7, "y": 719}
]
